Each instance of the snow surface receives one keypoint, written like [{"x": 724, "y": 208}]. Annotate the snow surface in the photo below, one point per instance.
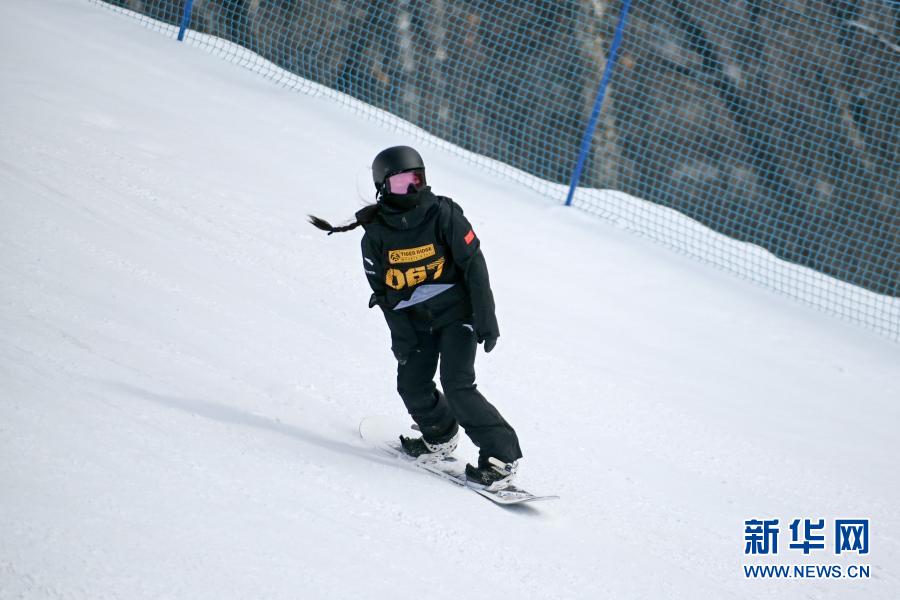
[{"x": 184, "y": 362}]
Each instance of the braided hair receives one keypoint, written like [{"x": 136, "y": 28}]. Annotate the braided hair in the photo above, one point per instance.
[{"x": 363, "y": 217}]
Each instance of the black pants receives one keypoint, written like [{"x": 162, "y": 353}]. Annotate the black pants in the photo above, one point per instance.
[{"x": 461, "y": 403}]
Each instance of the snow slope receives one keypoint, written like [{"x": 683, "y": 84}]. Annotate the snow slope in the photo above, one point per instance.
[{"x": 184, "y": 361}]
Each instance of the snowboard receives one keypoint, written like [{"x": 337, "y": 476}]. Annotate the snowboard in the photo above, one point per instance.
[{"x": 382, "y": 434}]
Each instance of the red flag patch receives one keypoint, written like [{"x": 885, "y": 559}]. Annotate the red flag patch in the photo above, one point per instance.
[{"x": 470, "y": 236}]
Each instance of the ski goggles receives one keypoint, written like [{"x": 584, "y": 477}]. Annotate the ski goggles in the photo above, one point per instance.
[{"x": 399, "y": 183}]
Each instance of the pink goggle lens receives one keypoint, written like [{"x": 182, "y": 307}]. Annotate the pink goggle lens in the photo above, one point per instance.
[{"x": 399, "y": 183}]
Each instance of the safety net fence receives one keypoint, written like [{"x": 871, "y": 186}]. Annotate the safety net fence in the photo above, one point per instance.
[{"x": 758, "y": 136}]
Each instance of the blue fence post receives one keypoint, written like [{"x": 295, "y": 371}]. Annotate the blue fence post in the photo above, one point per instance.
[
  {"x": 185, "y": 19},
  {"x": 601, "y": 93}
]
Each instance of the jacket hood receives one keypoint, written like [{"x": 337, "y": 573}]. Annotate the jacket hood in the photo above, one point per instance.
[{"x": 408, "y": 218}]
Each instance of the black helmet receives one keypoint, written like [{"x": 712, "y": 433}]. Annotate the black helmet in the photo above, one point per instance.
[{"x": 396, "y": 160}]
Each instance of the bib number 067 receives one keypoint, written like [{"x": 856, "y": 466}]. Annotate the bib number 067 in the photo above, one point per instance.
[{"x": 413, "y": 276}]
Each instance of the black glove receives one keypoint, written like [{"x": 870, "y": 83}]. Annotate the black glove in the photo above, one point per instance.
[
  {"x": 489, "y": 342},
  {"x": 404, "y": 339}
]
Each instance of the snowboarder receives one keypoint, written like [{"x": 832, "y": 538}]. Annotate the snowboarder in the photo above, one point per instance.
[{"x": 429, "y": 277}]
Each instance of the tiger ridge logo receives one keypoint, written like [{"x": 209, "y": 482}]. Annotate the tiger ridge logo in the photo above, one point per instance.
[{"x": 410, "y": 255}]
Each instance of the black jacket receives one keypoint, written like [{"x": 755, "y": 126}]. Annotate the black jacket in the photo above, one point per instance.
[{"x": 427, "y": 248}]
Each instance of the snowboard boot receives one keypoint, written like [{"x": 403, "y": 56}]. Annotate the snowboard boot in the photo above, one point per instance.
[
  {"x": 491, "y": 473},
  {"x": 422, "y": 449}
]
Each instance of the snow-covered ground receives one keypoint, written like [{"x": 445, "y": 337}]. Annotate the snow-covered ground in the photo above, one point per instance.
[{"x": 184, "y": 362}]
